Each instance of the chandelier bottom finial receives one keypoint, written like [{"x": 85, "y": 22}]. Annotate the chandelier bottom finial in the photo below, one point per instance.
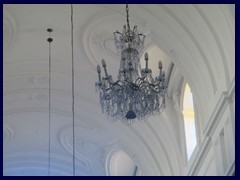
[{"x": 130, "y": 115}]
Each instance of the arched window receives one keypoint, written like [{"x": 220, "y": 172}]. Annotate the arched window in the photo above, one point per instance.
[
  {"x": 189, "y": 121},
  {"x": 120, "y": 164}
]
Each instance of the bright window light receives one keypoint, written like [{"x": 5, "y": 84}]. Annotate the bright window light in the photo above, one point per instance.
[{"x": 189, "y": 121}]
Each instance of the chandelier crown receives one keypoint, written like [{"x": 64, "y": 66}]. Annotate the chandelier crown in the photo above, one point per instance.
[
  {"x": 135, "y": 94},
  {"x": 128, "y": 38}
]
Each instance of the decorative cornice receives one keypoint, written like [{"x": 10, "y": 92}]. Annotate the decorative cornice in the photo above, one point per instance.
[{"x": 219, "y": 109}]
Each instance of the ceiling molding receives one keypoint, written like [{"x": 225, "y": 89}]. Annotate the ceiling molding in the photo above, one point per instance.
[
  {"x": 9, "y": 31},
  {"x": 8, "y": 133}
]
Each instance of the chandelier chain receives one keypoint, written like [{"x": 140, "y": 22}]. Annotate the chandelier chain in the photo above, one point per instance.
[{"x": 128, "y": 25}]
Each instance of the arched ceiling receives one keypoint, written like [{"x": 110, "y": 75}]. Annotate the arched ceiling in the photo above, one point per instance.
[{"x": 193, "y": 41}]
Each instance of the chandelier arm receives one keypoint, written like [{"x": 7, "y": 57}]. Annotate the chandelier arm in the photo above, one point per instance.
[
  {"x": 115, "y": 86},
  {"x": 106, "y": 90},
  {"x": 140, "y": 79},
  {"x": 141, "y": 83},
  {"x": 112, "y": 85},
  {"x": 157, "y": 91},
  {"x": 142, "y": 35},
  {"x": 152, "y": 87},
  {"x": 115, "y": 83},
  {"x": 117, "y": 32},
  {"x": 156, "y": 84}
]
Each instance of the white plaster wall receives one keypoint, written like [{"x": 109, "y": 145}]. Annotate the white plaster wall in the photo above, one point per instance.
[
  {"x": 218, "y": 156},
  {"x": 209, "y": 165}
]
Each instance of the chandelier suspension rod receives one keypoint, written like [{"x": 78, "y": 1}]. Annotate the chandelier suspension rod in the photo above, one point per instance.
[
  {"x": 49, "y": 100},
  {"x": 128, "y": 25},
  {"x": 73, "y": 103}
]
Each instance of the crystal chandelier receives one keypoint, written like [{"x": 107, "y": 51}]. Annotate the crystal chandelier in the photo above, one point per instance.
[{"x": 135, "y": 94}]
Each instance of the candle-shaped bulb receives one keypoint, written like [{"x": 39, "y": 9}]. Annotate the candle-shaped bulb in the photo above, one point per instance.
[
  {"x": 98, "y": 69},
  {"x": 104, "y": 67},
  {"x": 103, "y": 63},
  {"x": 99, "y": 73},
  {"x": 123, "y": 62},
  {"x": 160, "y": 64},
  {"x": 146, "y": 56},
  {"x": 163, "y": 74},
  {"x": 146, "y": 59}
]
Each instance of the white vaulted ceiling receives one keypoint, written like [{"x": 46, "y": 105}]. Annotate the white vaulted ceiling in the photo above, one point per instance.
[{"x": 195, "y": 40}]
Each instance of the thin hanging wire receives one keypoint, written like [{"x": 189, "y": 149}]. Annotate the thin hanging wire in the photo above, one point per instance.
[
  {"x": 73, "y": 123},
  {"x": 49, "y": 102}
]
